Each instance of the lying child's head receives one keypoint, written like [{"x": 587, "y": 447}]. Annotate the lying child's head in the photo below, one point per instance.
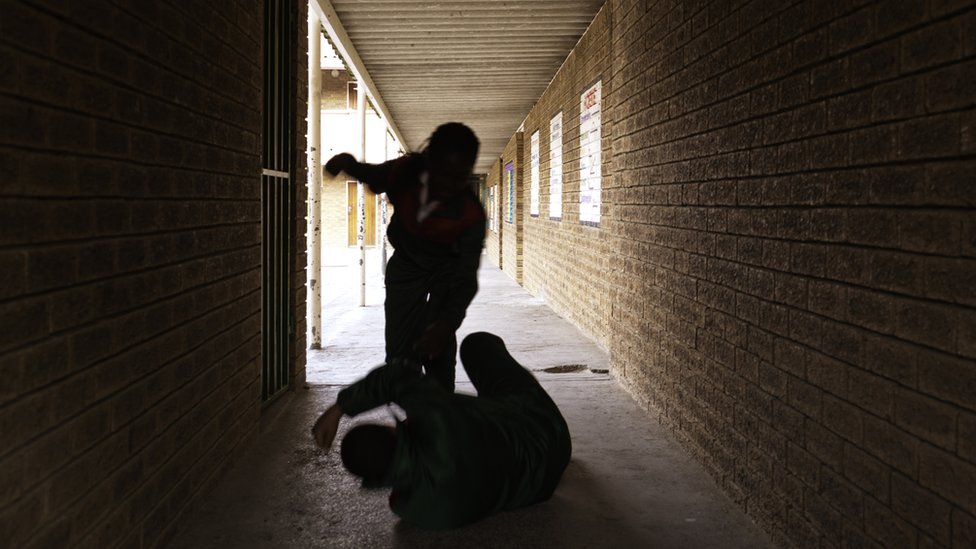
[{"x": 367, "y": 452}]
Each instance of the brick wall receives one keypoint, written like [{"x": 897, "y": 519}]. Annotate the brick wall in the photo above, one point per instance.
[
  {"x": 130, "y": 139},
  {"x": 790, "y": 236},
  {"x": 795, "y": 256},
  {"x": 335, "y": 95},
  {"x": 565, "y": 261},
  {"x": 340, "y": 128},
  {"x": 335, "y": 222},
  {"x": 511, "y": 232},
  {"x": 335, "y": 217}
]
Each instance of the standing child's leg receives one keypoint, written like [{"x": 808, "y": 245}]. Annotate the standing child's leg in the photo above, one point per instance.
[
  {"x": 441, "y": 367},
  {"x": 404, "y": 308}
]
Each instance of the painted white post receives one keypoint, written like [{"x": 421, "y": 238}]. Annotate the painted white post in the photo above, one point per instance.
[
  {"x": 360, "y": 192},
  {"x": 314, "y": 182},
  {"x": 382, "y": 235},
  {"x": 381, "y": 230}
]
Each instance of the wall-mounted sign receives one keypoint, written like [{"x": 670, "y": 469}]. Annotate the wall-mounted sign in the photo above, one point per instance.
[
  {"x": 534, "y": 181},
  {"x": 492, "y": 208},
  {"x": 556, "y": 166},
  {"x": 510, "y": 188},
  {"x": 590, "y": 155}
]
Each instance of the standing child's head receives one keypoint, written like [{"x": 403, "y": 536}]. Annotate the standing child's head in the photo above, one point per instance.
[{"x": 451, "y": 154}]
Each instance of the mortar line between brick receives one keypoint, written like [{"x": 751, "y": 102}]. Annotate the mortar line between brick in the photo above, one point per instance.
[
  {"x": 110, "y": 39},
  {"x": 783, "y": 110},
  {"x": 100, "y": 239},
  {"x": 829, "y": 58},
  {"x": 105, "y": 399},
  {"x": 136, "y": 199},
  {"x": 788, "y": 240},
  {"x": 74, "y": 330},
  {"x": 136, "y": 453},
  {"x": 763, "y": 117},
  {"x": 846, "y": 323},
  {"x": 219, "y": 13},
  {"x": 184, "y": 138},
  {"x": 191, "y": 499},
  {"x": 768, "y": 207},
  {"x": 130, "y": 274}
]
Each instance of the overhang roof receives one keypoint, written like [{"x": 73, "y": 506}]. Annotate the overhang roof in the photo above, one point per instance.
[{"x": 481, "y": 62}]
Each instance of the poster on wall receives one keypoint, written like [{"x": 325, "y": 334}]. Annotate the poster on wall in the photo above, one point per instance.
[
  {"x": 556, "y": 166},
  {"x": 534, "y": 183},
  {"x": 492, "y": 210},
  {"x": 590, "y": 155},
  {"x": 495, "y": 197},
  {"x": 510, "y": 188}
]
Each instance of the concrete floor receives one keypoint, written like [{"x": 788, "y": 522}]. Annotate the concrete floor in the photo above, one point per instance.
[{"x": 628, "y": 484}]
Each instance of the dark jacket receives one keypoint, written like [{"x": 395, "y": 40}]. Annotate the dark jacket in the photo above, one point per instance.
[
  {"x": 460, "y": 458},
  {"x": 444, "y": 248}
]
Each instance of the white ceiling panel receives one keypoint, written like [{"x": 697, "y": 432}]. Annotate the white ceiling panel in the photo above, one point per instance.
[{"x": 483, "y": 63}]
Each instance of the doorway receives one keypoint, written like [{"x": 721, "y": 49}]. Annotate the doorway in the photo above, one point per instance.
[{"x": 352, "y": 222}]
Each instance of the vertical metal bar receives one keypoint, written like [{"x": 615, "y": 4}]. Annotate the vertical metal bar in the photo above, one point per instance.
[
  {"x": 286, "y": 282},
  {"x": 279, "y": 283},
  {"x": 283, "y": 280},
  {"x": 276, "y": 83},
  {"x": 286, "y": 96},
  {"x": 279, "y": 327},
  {"x": 276, "y": 199},
  {"x": 282, "y": 137},
  {"x": 282, "y": 134},
  {"x": 271, "y": 284},
  {"x": 264, "y": 90},
  {"x": 265, "y": 281},
  {"x": 266, "y": 243},
  {"x": 273, "y": 288},
  {"x": 272, "y": 85},
  {"x": 283, "y": 285},
  {"x": 286, "y": 188},
  {"x": 282, "y": 68},
  {"x": 265, "y": 163},
  {"x": 273, "y": 320}
]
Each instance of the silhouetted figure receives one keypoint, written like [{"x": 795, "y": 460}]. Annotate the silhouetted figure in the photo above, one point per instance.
[
  {"x": 456, "y": 458},
  {"x": 437, "y": 232}
]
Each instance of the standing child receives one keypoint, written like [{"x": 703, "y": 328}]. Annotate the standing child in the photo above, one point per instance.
[{"x": 437, "y": 232}]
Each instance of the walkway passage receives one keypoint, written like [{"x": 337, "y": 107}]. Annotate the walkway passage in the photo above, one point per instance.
[{"x": 628, "y": 484}]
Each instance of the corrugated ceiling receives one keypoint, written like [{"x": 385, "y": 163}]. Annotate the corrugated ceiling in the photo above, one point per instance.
[{"x": 484, "y": 63}]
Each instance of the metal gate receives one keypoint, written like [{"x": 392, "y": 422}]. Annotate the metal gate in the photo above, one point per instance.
[{"x": 276, "y": 324}]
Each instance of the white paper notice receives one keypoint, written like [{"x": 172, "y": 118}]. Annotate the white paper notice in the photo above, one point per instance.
[
  {"x": 590, "y": 155},
  {"x": 534, "y": 183},
  {"x": 556, "y": 166}
]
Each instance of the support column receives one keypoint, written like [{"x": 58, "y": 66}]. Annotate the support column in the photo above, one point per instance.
[
  {"x": 314, "y": 232},
  {"x": 381, "y": 237},
  {"x": 360, "y": 193}
]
